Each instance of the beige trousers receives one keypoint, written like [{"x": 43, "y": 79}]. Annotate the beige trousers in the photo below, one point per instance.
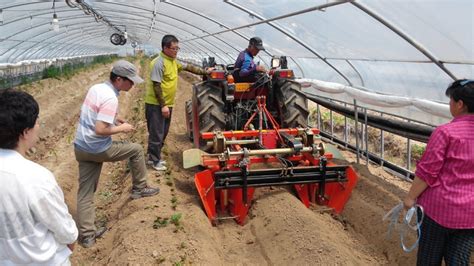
[{"x": 90, "y": 166}]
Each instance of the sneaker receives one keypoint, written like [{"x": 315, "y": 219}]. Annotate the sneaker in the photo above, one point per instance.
[
  {"x": 89, "y": 241},
  {"x": 159, "y": 166},
  {"x": 144, "y": 192},
  {"x": 150, "y": 162}
]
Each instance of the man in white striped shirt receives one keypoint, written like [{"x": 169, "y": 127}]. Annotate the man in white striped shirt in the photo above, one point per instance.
[{"x": 93, "y": 145}]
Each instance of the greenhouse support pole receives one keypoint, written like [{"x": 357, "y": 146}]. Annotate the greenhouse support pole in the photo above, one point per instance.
[
  {"x": 356, "y": 116},
  {"x": 366, "y": 138},
  {"x": 346, "y": 131},
  {"x": 318, "y": 116},
  {"x": 408, "y": 151},
  {"x": 332, "y": 125},
  {"x": 382, "y": 145}
]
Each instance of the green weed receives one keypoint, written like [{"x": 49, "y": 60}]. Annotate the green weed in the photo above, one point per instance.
[{"x": 160, "y": 222}]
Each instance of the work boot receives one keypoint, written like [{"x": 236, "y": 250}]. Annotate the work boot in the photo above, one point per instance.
[
  {"x": 89, "y": 241},
  {"x": 144, "y": 192}
]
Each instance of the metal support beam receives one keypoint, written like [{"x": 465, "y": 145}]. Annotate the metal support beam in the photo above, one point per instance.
[{"x": 292, "y": 36}]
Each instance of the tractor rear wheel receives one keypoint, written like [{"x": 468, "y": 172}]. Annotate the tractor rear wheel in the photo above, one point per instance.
[
  {"x": 210, "y": 109},
  {"x": 293, "y": 105}
]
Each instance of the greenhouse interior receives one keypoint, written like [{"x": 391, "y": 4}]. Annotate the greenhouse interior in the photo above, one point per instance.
[{"x": 354, "y": 106}]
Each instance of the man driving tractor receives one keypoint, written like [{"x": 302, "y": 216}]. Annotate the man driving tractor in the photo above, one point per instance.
[{"x": 245, "y": 67}]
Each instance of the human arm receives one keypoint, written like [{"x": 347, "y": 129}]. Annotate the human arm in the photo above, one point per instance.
[
  {"x": 105, "y": 129},
  {"x": 119, "y": 121},
  {"x": 429, "y": 167},
  {"x": 196, "y": 70},
  {"x": 261, "y": 68},
  {"x": 157, "y": 76},
  {"x": 50, "y": 210},
  {"x": 106, "y": 123},
  {"x": 417, "y": 187},
  {"x": 248, "y": 66},
  {"x": 165, "y": 111}
]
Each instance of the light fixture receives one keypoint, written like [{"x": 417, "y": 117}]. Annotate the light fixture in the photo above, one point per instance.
[
  {"x": 1, "y": 16},
  {"x": 55, "y": 23}
]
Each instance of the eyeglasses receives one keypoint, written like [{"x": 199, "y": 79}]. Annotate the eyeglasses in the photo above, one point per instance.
[
  {"x": 174, "y": 48},
  {"x": 464, "y": 82}
]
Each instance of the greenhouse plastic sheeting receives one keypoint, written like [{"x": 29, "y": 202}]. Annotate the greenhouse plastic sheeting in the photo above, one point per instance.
[{"x": 407, "y": 48}]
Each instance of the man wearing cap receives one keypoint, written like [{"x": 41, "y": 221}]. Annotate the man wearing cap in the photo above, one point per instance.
[
  {"x": 160, "y": 95},
  {"x": 93, "y": 145},
  {"x": 245, "y": 66}
]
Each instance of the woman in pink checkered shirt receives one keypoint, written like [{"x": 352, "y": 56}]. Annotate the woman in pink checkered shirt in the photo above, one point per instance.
[{"x": 444, "y": 184}]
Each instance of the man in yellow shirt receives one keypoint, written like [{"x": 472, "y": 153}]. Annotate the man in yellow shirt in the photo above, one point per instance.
[{"x": 159, "y": 98}]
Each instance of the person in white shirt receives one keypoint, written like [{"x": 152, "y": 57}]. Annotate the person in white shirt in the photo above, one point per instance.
[{"x": 35, "y": 225}]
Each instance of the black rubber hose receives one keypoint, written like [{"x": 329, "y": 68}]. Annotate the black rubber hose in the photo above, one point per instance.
[{"x": 409, "y": 130}]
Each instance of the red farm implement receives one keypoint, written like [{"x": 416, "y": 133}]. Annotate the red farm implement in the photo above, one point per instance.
[{"x": 242, "y": 145}]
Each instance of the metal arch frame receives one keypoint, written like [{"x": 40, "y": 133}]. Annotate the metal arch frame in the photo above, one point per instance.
[
  {"x": 466, "y": 62},
  {"x": 292, "y": 36},
  {"x": 22, "y": 42},
  {"x": 204, "y": 50},
  {"x": 227, "y": 27},
  {"x": 398, "y": 31},
  {"x": 58, "y": 35},
  {"x": 191, "y": 25},
  {"x": 44, "y": 42},
  {"x": 184, "y": 30},
  {"x": 60, "y": 46},
  {"x": 170, "y": 17},
  {"x": 24, "y": 4},
  {"x": 83, "y": 5},
  {"x": 357, "y": 72},
  {"x": 36, "y": 26},
  {"x": 41, "y": 53},
  {"x": 298, "y": 65},
  {"x": 58, "y": 10},
  {"x": 138, "y": 27},
  {"x": 215, "y": 21},
  {"x": 67, "y": 10},
  {"x": 406, "y": 37},
  {"x": 80, "y": 50},
  {"x": 196, "y": 50},
  {"x": 272, "y": 19},
  {"x": 50, "y": 52},
  {"x": 40, "y": 25}
]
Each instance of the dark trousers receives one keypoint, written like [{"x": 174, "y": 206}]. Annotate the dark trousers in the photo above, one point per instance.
[
  {"x": 158, "y": 128},
  {"x": 438, "y": 242}
]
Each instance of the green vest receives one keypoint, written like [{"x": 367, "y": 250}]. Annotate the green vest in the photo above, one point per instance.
[{"x": 168, "y": 68}]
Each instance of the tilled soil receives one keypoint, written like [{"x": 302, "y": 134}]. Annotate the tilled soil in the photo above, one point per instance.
[{"x": 172, "y": 228}]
